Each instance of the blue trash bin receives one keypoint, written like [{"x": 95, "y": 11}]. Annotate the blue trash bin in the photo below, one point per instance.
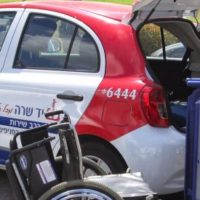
[{"x": 192, "y": 173}]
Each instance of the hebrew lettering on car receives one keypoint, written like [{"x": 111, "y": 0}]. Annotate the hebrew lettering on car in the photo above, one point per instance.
[{"x": 21, "y": 114}]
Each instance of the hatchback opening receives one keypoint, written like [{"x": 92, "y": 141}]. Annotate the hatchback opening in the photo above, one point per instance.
[{"x": 172, "y": 50}]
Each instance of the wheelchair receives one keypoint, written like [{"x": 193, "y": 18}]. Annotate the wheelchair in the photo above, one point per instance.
[{"x": 34, "y": 173}]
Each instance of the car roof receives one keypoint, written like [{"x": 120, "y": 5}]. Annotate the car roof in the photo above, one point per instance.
[{"x": 110, "y": 10}]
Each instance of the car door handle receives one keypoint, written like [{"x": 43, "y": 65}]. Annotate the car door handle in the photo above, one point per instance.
[{"x": 69, "y": 97}]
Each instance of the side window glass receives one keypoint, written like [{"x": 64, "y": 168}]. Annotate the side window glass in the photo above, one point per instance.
[
  {"x": 174, "y": 49},
  {"x": 56, "y": 44},
  {"x": 37, "y": 43},
  {"x": 5, "y": 22},
  {"x": 160, "y": 44},
  {"x": 151, "y": 41},
  {"x": 84, "y": 54}
]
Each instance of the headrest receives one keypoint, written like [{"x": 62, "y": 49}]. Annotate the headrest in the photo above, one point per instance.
[{"x": 42, "y": 26}]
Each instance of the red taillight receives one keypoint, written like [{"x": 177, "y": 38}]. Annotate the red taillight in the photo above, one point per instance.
[{"x": 154, "y": 106}]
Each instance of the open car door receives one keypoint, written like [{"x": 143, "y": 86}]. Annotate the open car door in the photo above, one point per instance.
[
  {"x": 146, "y": 9},
  {"x": 165, "y": 5}
]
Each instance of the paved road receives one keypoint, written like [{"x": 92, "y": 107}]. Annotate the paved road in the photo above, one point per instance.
[
  {"x": 5, "y": 190},
  {"x": 6, "y": 193}
]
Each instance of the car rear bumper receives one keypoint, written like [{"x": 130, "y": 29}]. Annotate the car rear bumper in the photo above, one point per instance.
[{"x": 159, "y": 153}]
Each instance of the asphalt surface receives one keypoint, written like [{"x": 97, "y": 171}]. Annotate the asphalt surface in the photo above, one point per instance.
[{"x": 5, "y": 190}]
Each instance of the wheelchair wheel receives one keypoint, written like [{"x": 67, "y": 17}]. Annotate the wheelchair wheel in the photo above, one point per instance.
[
  {"x": 91, "y": 168},
  {"x": 80, "y": 190}
]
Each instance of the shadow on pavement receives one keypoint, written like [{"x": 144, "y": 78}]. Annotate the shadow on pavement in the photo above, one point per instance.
[{"x": 5, "y": 190}]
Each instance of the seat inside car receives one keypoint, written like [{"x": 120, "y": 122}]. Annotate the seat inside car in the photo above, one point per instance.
[
  {"x": 87, "y": 60},
  {"x": 38, "y": 33}
]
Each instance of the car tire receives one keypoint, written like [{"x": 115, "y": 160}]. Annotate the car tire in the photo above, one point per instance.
[
  {"x": 92, "y": 166},
  {"x": 105, "y": 156}
]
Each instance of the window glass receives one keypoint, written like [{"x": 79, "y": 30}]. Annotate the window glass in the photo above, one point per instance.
[
  {"x": 84, "y": 55},
  {"x": 173, "y": 47},
  {"x": 150, "y": 38},
  {"x": 151, "y": 41},
  {"x": 5, "y": 22},
  {"x": 53, "y": 43}
]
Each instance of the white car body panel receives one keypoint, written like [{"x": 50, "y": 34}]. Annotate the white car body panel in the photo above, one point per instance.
[{"x": 150, "y": 143}]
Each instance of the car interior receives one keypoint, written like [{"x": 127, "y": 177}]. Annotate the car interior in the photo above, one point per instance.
[{"x": 173, "y": 73}]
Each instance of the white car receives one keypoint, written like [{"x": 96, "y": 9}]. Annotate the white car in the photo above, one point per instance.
[
  {"x": 173, "y": 51},
  {"x": 88, "y": 59}
]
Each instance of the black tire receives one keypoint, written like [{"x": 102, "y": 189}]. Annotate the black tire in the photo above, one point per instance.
[
  {"x": 97, "y": 150},
  {"x": 89, "y": 166},
  {"x": 78, "y": 190},
  {"x": 92, "y": 166}
]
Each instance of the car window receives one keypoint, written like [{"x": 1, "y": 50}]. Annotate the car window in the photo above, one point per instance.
[
  {"x": 56, "y": 44},
  {"x": 161, "y": 44},
  {"x": 6, "y": 19},
  {"x": 151, "y": 40},
  {"x": 84, "y": 55}
]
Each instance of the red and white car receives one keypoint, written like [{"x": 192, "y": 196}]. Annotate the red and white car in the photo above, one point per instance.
[{"x": 92, "y": 60}]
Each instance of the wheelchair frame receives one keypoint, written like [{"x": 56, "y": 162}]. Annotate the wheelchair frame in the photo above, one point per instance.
[{"x": 34, "y": 173}]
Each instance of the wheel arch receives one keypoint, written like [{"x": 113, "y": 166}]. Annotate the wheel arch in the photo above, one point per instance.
[{"x": 91, "y": 138}]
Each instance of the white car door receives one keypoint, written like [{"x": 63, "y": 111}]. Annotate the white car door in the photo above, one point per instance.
[
  {"x": 49, "y": 66},
  {"x": 9, "y": 19}
]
